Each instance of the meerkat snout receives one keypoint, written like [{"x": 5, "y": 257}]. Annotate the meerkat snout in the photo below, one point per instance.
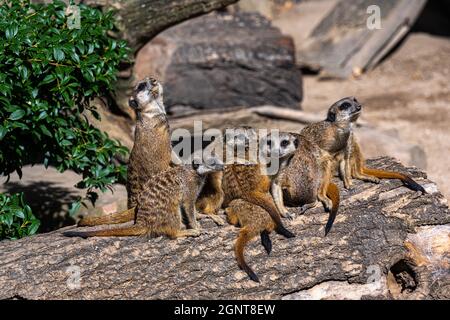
[{"x": 147, "y": 97}]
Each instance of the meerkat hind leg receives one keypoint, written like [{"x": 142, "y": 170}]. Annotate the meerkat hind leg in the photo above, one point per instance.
[{"x": 322, "y": 194}]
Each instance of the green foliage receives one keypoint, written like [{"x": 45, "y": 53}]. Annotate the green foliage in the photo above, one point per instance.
[
  {"x": 16, "y": 218},
  {"x": 48, "y": 76}
]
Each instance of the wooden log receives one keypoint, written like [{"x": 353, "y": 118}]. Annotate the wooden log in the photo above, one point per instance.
[{"x": 387, "y": 242}]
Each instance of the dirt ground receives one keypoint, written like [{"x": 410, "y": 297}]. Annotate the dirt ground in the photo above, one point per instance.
[{"x": 409, "y": 92}]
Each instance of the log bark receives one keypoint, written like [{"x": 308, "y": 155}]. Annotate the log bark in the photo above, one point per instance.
[
  {"x": 387, "y": 242},
  {"x": 141, "y": 20}
]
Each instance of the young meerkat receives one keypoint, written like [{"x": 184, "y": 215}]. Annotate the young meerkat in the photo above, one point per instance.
[
  {"x": 163, "y": 203},
  {"x": 151, "y": 152},
  {"x": 254, "y": 221},
  {"x": 335, "y": 135},
  {"x": 299, "y": 182},
  {"x": 252, "y": 183}
]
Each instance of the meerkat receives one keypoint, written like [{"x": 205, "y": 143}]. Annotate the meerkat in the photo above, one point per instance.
[
  {"x": 163, "y": 203},
  {"x": 299, "y": 182},
  {"x": 335, "y": 135},
  {"x": 250, "y": 182},
  {"x": 254, "y": 221},
  {"x": 151, "y": 152}
]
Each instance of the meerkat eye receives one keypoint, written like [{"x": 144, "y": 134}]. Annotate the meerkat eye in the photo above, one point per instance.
[
  {"x": 284, "y": 143},
  {"x": 296, "y": 143},
  {"x": 141, "y": 86},
  {"x": 269, "y": 143},
  {"x": 344, "y": 106}
]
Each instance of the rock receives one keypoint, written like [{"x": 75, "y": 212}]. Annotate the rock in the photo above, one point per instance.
[
  {"x": 387, "y": 242},
  {"x": 223, "y": 60}
]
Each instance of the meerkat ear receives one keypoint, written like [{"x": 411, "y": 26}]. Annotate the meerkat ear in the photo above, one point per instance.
[
  {"x": 331, "y": 116},
  {"x": 132, "y": 103}
]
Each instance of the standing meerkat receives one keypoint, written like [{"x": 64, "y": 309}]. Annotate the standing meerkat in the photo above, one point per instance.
[
  {"x": 250, "y": 182},
  {"x": 254, "y": 221},
  {"x": 299, "y": 183},
  {"x": 335, "y": 135},
  {"x": 163, "y": 203},
  {"x": 151, "y": 152}
]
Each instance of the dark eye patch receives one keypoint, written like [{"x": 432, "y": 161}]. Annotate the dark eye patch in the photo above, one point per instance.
[
  {"x": 141, "y": 86},
  {"x": 344, "y": 106},
  {"x": 133, "y": 104},
  {"x": 284, "y": 143}
]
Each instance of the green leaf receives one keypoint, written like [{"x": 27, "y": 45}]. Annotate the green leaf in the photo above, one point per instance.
[
  {"x": 33, "y": 227},
  {"x": 74, "y": 207},
  {"x": 3, "y": 132},
  {"x": 45, "y": 130},
  {"x": 16, "y": 115},
  {"x": 11, "y": 32},
  {"x": 58, "y": 54},
  {"x": 48, "y": 78}
]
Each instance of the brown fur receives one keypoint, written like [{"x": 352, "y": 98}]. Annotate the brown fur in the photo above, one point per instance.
[
  {"x": 254, "y": 221},
  {"x": 161, "y": 206},
  {"x": 251, "y": 183},
  {"x": 151, "y": 152},
  {"x": 335, "y": 136},
  {"x": 302, "y": 179}
]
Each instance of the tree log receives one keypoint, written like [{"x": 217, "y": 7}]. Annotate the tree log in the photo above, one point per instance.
[
  {"x": 387, "y": 242},
  {"x": 141, "y": 20}
]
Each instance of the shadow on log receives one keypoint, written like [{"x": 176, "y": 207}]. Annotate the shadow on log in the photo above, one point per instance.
[{"x": 387, "y": 242}]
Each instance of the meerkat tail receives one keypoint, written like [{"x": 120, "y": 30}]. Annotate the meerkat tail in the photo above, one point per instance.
[
  {"x": 382, "y": 174},
  {"x": 244, "y": 237},
  {"x": 118, "y": 232},
  {"x": 266, "y": 202},
  {"x": 115, "y": 218},
  {"x": 333, "y": 194},
  {"x": 265, "y": 241}
]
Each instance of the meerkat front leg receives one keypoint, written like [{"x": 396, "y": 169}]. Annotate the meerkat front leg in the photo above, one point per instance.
[
  {"x": 346, "y": 173},
  {"x": 277, "y": 194}
]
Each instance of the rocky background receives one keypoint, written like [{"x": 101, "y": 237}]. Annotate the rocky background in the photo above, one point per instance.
[{"x": 243, "y": 65}]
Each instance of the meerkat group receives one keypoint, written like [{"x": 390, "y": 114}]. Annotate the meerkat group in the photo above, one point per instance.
[{"x": 164, "y": 196}]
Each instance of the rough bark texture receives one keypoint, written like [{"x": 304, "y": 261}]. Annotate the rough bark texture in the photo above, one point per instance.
[
  {"x": 223, "y": 60},
  {"x": 385, "y": 239},
  {"x": 141, "y": 20}
]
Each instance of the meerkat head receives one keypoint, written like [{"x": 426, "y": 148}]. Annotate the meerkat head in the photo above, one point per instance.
[
  {"x": 347, "y": 109},
  {"x": 240, "y": 141},
  {"x": 147, "y": 97},
  {"x": 280, "y": 145},
  {"x": 211, "y": 164}
]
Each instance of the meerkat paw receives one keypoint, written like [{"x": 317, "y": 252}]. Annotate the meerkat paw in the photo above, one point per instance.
[
  {"x": 286, "y": 214},
  {"x": 189, "y": 233},
  {"x": 348, "y": 184},
  {"x": 374, "y": 180},
  {"x": 214, "y": 217},
  {"x": 308, "y": 206}
]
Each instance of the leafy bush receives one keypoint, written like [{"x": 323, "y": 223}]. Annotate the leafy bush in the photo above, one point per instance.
[
  {"x": 16, "y": 218},
  {"x": 48, "y": 76}
]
